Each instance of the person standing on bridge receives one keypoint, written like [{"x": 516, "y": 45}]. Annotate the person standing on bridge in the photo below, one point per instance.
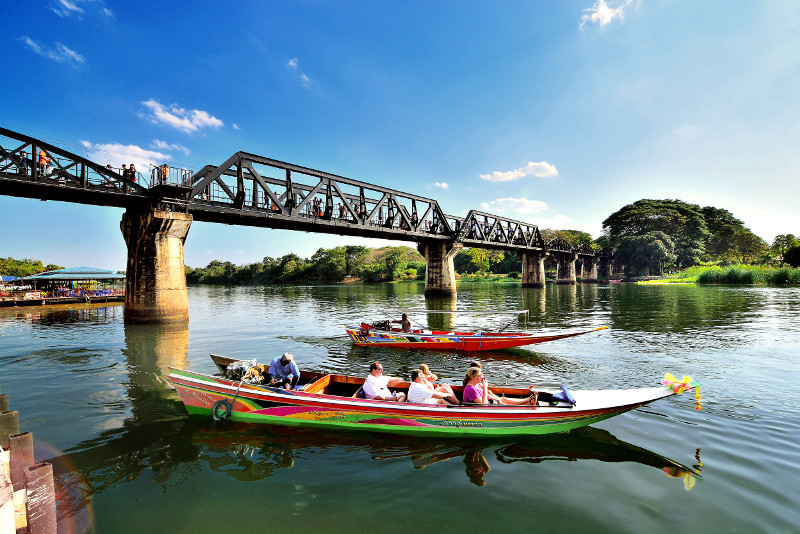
[
  {"x": 132, "y": 173},
  {"x": 22, "y": 166},
  {"x": 44, "y": 162}
]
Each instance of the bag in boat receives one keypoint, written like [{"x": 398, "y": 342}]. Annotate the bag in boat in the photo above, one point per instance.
[
  {"x": 563, "y": 396},
  {"x": 237, "y": 369}
]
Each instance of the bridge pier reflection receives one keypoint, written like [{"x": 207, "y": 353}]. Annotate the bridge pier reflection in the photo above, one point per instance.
[{"x": 155, "y": 286}]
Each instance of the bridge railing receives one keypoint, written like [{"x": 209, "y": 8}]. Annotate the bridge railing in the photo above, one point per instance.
[
  {"x": 31, "y": 160},
  {"x": 254, "y": 190}
]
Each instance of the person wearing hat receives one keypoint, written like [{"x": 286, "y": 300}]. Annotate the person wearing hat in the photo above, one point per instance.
[{"x": 283, "y": 372}]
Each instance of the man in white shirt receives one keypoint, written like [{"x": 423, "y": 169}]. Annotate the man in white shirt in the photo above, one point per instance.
[
  {"x": 419, "y": 391},
  {"x": 376, "y": 385}
]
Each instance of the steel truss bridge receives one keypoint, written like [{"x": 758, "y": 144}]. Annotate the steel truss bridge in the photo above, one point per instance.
[{"x": 253, "y": 190}]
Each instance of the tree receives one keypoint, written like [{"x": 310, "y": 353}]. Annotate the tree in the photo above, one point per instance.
[
  {"x": 25, "y": 267},
  {"x": 747, "y": 245},
  {"x": 646, "y": 254},
  {"x": 792, "y": 257},
  {"x": 782, "y": 244},
  {"x": 684, "y": 224},
  {"x": 575, "y": 238},
  {"x": 330, "y": 264},
  {"x": 483, "y": 258},
  {"x": 351, "y": 254},
  {"x": 721, "y": 225},
  {"x": 395, "y": 264},
  {"x": 511, "y": 264}
]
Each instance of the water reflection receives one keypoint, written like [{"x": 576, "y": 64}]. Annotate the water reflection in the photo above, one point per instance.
[{"x": 170, "y": 451}]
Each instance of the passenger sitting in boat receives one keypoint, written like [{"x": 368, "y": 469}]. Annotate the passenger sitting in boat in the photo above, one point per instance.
[
  {"x": 477, "y": 390},
  {"x": 429, "y": 378},
  {"x": 473, "y": 363},
  {"x": 376, "y": 385},
  {"x": 283, "y": 372},
  {"x": 405, "y": 324},
  {"x": 420, "y": 392}
]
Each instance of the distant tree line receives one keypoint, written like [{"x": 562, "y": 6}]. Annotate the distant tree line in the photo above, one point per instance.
[
  {"x": 648, "y": 237},
  {"x": 651, "y": 236},
  {"x": 25, "y": 267},
  {"x": 325, "y": 266}
]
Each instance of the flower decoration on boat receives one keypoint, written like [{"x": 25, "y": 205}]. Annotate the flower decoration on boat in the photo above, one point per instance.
[{"x": 684, "y": 384}]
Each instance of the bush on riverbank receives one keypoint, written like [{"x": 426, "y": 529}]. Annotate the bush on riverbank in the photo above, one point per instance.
[
  {"x": 732, "y": 275},
  {"x": 749, "y": 275}
]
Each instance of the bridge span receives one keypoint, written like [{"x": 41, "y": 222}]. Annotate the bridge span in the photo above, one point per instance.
[{"x": 253, "y": 190}]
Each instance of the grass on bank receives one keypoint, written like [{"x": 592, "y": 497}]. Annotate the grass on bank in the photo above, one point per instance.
[{"x": 733, "y": 275}]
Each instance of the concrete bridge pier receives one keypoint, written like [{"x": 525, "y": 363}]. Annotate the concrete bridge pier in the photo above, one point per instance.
[
  {"x": 155, "y": 286},
  {"x": 589, "y": 270},
  {"x": 605, "y": 270},
  {"x": 566, "y": 268},
  {"x": 533, "y": 269},
  {"x": 440, "y": 274}
]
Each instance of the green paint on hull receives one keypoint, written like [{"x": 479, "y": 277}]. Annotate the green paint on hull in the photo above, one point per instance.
[{"x": 524, "y": 428}]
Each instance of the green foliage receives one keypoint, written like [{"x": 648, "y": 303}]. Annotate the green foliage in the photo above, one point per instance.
[
  {"x": 684, "y": 223},
  {"x": 326, "y": 266},
  {"x": 482, "y": 259},
  {"x": 646, "y": 254},
  {"x": 782, "y": 244},
  {"x": 575, "y": 238},
  {"x": 792, "y": 257},
  {"x": 721, "y": 225},
  {"x": 25, "y": 267},
  {"x": 748, "y": 275},
  {"x": 747, "y": 246}
]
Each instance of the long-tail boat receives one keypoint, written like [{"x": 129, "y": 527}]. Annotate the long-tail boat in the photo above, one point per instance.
[
  {"x": 381, "y": 334},
  {"x": 323, "y": 400}
]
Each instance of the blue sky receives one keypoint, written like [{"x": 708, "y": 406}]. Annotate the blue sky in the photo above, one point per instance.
[{"x": 555, "y": 113}]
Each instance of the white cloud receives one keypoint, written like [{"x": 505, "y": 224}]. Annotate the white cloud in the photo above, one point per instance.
[
  {"x": 442, "y": 185},
  {"x": 521, "y": 206},
  {"x": 601, "y": 14},
  {"x": 235, "y": 126},
  {"x": 116, "y": 154},
  {"x": 294, "y": 64},
  {"x": 64, "y": 8},
  {"x": 61, "y": 52},
  {"x": 539, "y": 169},
  {"x": 163, "y": 145},
  {"x": 179, "y": 118}
]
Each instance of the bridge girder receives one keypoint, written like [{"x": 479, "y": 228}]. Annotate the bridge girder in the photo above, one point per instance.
[{"x": 248, "y": 189}]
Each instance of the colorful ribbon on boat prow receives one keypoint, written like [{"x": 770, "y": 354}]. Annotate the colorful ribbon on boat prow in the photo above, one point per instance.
[{"x": 684, "y": 384}]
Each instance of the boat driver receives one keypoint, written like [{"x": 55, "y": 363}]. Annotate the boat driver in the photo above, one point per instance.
[
  {"x": 283, "y": 372},
  {"x": 405, "y": 324},
  {"x": 376, "y": 385}
]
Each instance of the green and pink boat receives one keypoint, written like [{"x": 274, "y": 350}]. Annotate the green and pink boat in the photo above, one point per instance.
[{"x": 332, "y": 401}]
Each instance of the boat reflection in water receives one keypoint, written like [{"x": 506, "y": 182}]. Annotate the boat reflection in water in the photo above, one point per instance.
[
  {"x": 168, "y": 450},
  {"x": 251, "y": 452}
]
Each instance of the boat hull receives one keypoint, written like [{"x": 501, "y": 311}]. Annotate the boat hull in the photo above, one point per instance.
[
  {"x": 259, "y": 404},
  {"x": 367, "y": 336}
]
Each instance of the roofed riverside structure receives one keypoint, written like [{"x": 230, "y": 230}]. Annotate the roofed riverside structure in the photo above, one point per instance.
[
  {"x": 76, "y": 274},
  {"x": 64, "y": 286}
]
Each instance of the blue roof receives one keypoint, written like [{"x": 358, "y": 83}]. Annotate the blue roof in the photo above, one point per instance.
[
  {"x": 8, "y": 278},
  {"x": 77, "y": 273}
]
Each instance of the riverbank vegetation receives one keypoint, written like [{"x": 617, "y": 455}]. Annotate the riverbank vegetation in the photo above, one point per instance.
[
  {"x": 673, "y": 240},
  {"x": 24, "y": 267}
]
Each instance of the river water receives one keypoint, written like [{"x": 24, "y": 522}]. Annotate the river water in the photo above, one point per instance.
[{"x": 95, "y": 395}]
